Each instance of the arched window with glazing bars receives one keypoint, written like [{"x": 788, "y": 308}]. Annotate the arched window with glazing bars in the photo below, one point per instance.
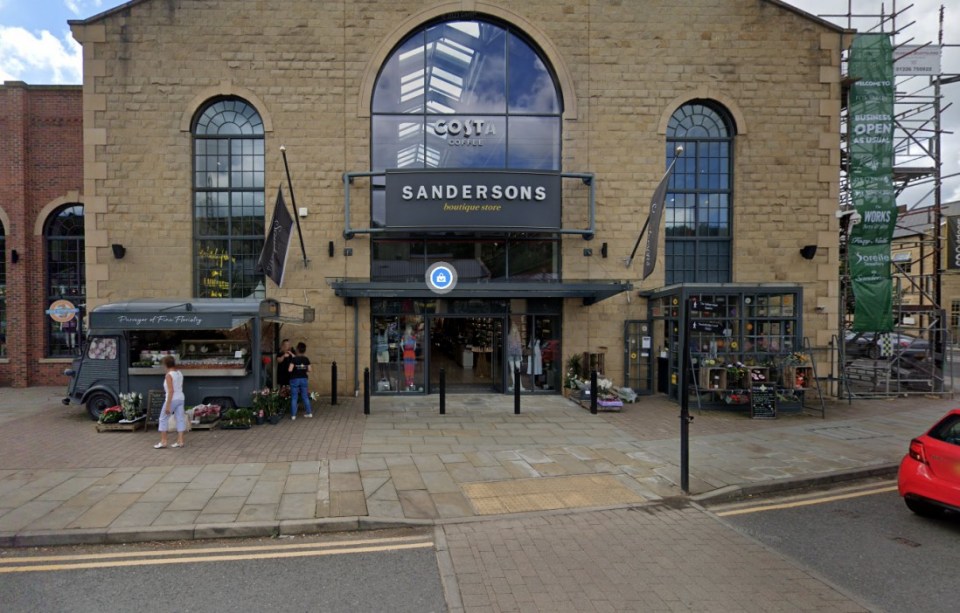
[
  {"x": 66, "y": 279},
  {"x": 699, "y": 207},
  {"x": 228, "y": 199}
]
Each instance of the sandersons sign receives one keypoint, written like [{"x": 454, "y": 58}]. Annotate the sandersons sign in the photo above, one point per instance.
[{"x": 473, "y": 199}]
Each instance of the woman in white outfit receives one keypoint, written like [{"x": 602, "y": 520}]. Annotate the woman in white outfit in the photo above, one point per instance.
[{"x": 172, "y": 404}]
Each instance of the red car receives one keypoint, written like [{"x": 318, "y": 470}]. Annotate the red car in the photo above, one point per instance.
[{"x": 929, "y": 477}]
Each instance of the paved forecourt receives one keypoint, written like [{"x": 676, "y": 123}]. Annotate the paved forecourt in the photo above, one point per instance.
[{"x": 61, "y": 481}]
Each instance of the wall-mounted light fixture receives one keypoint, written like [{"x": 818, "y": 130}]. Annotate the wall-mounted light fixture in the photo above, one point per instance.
[
  {"x": 118, "y": 251},
  {"x": 603, "y": 250},
  {"x": 330, "y": 248},
  {"x": 14, "y": 256},
  {"x": 808, "y": 251}
]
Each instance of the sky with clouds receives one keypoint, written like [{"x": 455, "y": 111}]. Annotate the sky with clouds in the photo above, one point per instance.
[{"x": 36, "y": 47}]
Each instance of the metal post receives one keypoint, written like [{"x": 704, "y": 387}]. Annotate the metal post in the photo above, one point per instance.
[
  {"x": 685, "y": 400},
  {"x": 443, "y": 392},
  {"x": 593, "y": 392},
  {"x": 333, "y": 383},
  {"x": 516, "y": 391},
  {"x": 366, "y": 391}
]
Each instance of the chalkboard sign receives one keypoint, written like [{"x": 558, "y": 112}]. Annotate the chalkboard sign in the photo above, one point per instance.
[
  {"x": 763, "y": 402},
  {"x": 155, "y": 399}
]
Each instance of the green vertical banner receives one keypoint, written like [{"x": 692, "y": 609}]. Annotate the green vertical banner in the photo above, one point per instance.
[{"x": 871, "y": 181}]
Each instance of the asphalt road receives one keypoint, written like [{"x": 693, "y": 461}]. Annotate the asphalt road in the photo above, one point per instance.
[
  {"x": 369, "y": 572},
  {"x": 870, "y": 545}
]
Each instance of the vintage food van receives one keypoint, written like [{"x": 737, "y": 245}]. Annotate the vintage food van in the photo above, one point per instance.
[{"x": 220, "y": 346}]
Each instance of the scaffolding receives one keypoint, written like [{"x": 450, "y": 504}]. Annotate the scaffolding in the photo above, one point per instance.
[{"x": 921, "y": 366}]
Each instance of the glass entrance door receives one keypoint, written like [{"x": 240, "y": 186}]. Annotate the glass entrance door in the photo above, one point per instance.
[{"x": 462, "y": 345}]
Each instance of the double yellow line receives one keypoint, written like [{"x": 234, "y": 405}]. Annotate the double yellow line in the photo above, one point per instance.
[
  {"x": 805, "y": 502},
  {"x": 209, "y": 554}
]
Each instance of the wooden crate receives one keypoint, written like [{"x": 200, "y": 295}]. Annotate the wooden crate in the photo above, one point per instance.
[
  {"x": 713, "y": 378},
  {"x": 798, "y": 377},
  {"x": 210, "y": 425},
  {"x": 120, "y": 427}
]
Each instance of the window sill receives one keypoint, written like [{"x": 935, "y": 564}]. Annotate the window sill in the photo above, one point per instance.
[
  {"x": 55, "y": 361},
  {"x": 4, "y": 361}
]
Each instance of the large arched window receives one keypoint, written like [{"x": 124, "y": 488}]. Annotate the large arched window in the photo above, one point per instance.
[
  {"x": 66, "y": 280},
  {"x": 228, "y": 202},
  {"x": 464, "y": 94},
  {"x": 699, "y": 207}
]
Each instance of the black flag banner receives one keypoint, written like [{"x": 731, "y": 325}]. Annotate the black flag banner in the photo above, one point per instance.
[
  {"x": 653, "y": 219},
  {"x": 273, "y": 258}
]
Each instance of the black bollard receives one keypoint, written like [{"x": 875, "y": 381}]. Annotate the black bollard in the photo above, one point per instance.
[
  {"x": 593, "y": 392},
  {"x": 333, "y": 383},
  {"x": 516, "y": 391},
  {"x": 366, "y": 391},
  {"x": 443, "y": 392}
]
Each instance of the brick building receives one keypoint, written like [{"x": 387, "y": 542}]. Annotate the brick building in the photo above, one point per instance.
[
  {"x": 520, "y": 143},
  {"x": 41, "y": 231}
]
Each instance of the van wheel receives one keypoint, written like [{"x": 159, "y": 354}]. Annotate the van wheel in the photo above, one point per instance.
[
  {"x": 97, "y": 402},
  {"x": 226, "y": 403}
]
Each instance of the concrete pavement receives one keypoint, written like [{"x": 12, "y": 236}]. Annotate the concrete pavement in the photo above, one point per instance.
[{"x": 62, "y": 482}]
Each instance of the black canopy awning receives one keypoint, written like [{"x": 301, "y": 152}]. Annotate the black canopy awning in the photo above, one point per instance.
[{"x": 590, "y": 291}]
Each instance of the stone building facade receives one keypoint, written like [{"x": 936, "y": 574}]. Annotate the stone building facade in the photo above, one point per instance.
[
  {"x": 41, "y": 230},
  {"x": 621, "y": 71}
]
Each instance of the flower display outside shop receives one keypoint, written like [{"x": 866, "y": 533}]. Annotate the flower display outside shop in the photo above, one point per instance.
[
  {"x": 111, "y": 415},
  {"x": 237, "y": 419},
  {"x": 206, "y": 413},
  {"x": 131, "y": 405}
]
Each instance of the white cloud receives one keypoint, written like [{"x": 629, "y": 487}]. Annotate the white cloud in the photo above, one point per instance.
[
  {"x": 40, "y": 58},
  {"x": 82, "y": 7}
]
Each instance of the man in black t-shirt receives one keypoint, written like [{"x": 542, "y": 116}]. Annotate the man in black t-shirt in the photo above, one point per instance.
[
  {"x": 299, "y": 377},
  {"x": 283, "y": 363}
]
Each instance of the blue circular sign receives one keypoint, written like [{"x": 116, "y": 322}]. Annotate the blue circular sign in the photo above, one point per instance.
[{"x": 441, "y": 278}]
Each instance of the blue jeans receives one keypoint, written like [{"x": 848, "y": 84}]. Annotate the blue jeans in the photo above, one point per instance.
[{"x": 298, "y": 387}]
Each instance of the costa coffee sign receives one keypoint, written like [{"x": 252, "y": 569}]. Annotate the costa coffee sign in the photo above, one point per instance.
[
  {"x": 465, "y": 132},
  {"x": 473, "y": 199}
]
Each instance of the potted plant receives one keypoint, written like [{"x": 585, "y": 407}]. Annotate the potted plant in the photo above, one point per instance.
[
  {"x": 237, "y": 419},
  {"x": 206, "y": 413},
  {"x": 572, "y": 374},
  {"x": 130, "y": 405},
  {"x": 111, "y": 415}
]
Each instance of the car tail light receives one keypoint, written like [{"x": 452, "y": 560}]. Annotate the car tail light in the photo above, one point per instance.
[{"x": 916, "y": 451}]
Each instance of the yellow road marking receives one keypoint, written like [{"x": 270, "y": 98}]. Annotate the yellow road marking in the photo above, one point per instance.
[
  {"x": 806, "y": 503},
  {"x": 219, "y": 558},
  {"x": 206, "y": 550}
]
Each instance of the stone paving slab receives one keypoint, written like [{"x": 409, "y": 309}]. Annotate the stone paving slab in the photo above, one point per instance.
[
  {"x": 627, "y": 560},
  {"x": 406, "y": 463}
]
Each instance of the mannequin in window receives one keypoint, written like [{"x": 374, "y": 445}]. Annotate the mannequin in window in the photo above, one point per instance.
[
  {"x": 382, "y": 348},
  {"x": 514, "y": 355},
  {"x": 535, "y": 361},
  {"x": 408, "y": 345},
  {"x": 69, "y": 329}
]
